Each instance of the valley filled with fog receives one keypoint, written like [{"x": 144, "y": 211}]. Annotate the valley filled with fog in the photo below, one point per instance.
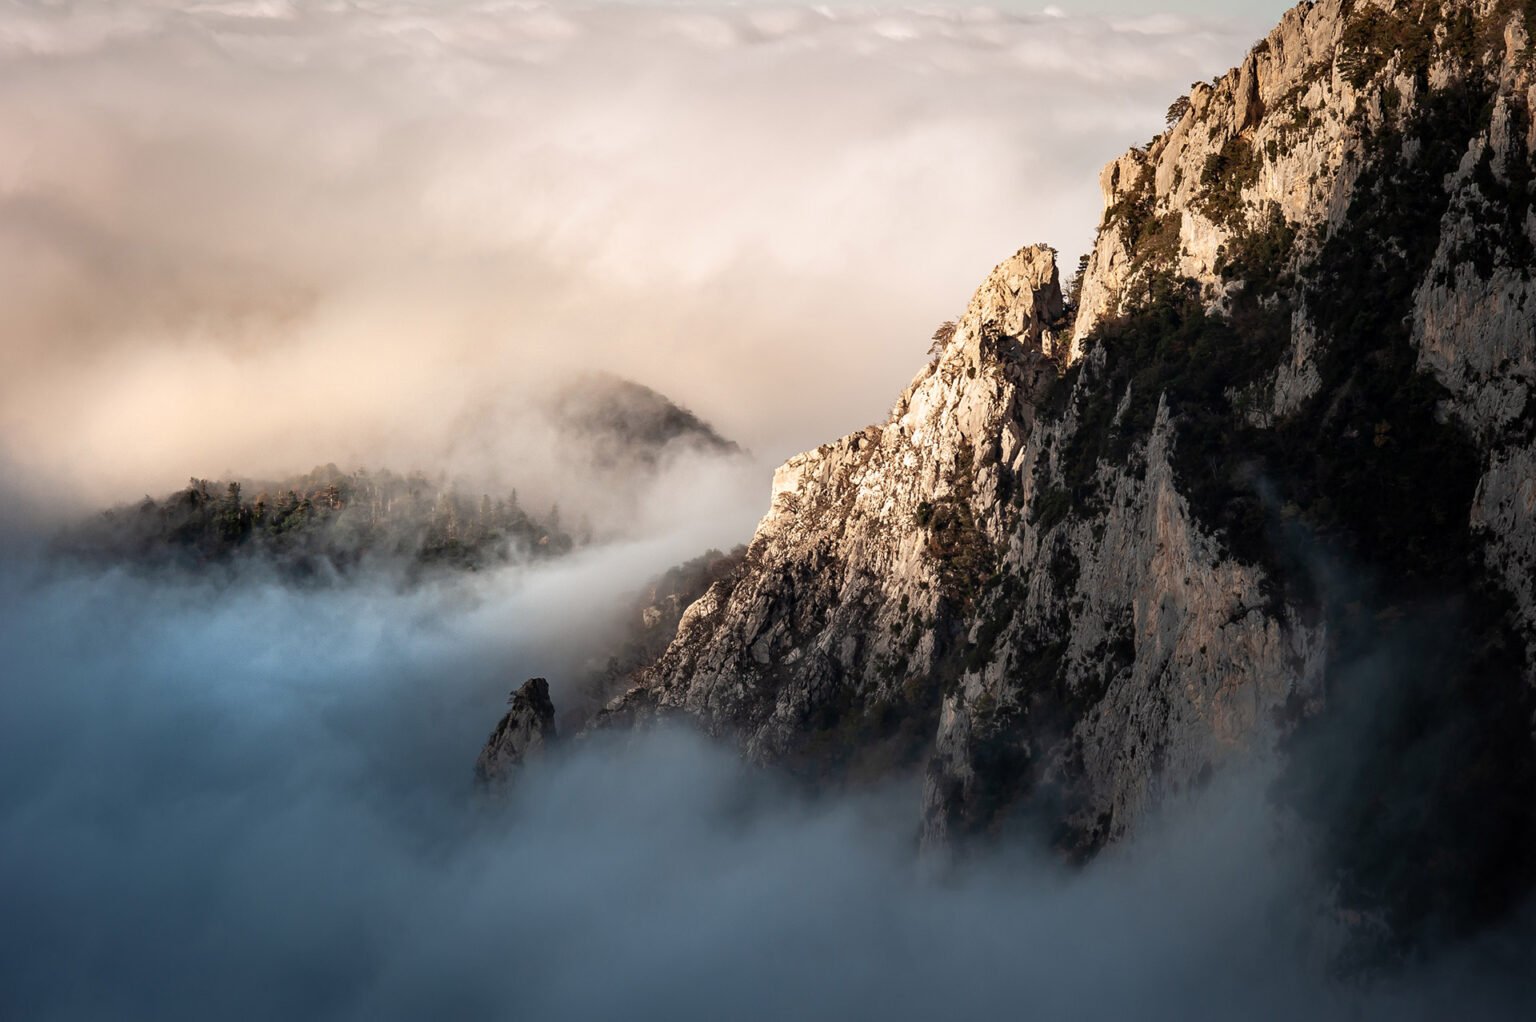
[{"x": 255, "y": 803}]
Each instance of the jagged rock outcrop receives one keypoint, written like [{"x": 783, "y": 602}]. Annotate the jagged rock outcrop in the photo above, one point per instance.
[
  {"x": 523, "y": 733},
  {"x": 646, "y": 628},
  {"x": 649, "y": 626},
  {"x": 1264, "y": 481},
  {"x": 869, "y": 541}
]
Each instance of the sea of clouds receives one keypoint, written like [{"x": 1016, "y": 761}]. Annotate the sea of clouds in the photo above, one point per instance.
[{"x": 256, "y": 237}]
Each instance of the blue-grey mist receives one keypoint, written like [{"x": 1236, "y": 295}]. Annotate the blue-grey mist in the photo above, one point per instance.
[{"x": 252, "y": 801}]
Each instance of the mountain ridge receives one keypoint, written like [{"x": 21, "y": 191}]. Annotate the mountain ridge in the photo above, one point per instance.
[
  {"x": 327, "y": 525},
  {"x": 1261, "y": 479}
]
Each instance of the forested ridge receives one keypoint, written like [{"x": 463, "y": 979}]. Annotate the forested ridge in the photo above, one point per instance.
[{"x": 326, "y": 524}]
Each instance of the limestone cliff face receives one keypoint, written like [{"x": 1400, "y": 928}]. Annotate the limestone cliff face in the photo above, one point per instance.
[
  {"x": 854, "y": 593},
  {"x": 524, "y": 732},
  {"x": 1285, "y": 433},
  {"x": 904, "y": 601}
]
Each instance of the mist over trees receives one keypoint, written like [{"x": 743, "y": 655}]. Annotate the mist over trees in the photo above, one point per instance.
[
  {"x": 648, "y": 624},
  {"x": 619, "y": 423},
  {"x": 323, "y": 525}
]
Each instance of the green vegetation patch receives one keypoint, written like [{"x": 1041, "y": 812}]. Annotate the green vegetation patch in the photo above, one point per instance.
[
  {"x": 1227, "y": 172},
  {"x": 963, "y": 556}
]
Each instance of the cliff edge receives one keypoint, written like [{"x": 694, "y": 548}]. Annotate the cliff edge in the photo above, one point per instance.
[{"x": 1261, "y": 479}]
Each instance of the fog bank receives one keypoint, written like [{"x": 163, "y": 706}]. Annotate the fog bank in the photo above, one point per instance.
[
  {"x": 256, "y": 804},
  {"x": 253, "y": 238}
]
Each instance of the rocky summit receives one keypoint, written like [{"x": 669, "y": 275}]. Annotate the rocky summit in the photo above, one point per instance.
[
  {"x": 1260, "y": 479},
  {"x": 525, "y": 731}
]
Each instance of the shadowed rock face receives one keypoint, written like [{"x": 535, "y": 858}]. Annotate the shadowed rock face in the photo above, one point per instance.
[
  {"x": 1266, "y": 487},
  {"x": 645, "y": 632},
  {"x": 524, "y": 732}
]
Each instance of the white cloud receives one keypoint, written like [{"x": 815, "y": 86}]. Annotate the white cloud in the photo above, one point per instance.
[
  {"x": 264, "y": 235},
  {"x": 254, "y": 804}
]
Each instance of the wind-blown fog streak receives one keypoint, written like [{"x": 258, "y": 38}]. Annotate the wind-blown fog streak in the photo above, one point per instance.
[
  {"x": 255, "y": 237},
  {"x": 255, "y": 804}
]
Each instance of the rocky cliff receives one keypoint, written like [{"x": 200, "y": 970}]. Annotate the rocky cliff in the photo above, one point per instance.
[
  {"x": 526, "y": 730},
  {"x": 1262, "y": 478}
]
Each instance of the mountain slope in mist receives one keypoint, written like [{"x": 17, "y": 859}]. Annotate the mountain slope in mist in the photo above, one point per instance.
[
  {"x": 325, "y": 525},
  {"x": 608, "y": 436},
  {"x": 1257, "y": 481},
  {"x": 623, "y": 422}
]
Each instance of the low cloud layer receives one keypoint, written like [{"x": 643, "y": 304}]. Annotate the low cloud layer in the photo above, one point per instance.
[
  {"x": 254, "y": 804},
  {"x": 255, "y": 237}
]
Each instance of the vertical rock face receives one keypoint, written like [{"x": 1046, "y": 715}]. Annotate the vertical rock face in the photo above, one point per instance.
[
  {"x": 524, "y": 732},
  {"x": 1264, "y": 481},
  {"x": 854, "y": 594}
]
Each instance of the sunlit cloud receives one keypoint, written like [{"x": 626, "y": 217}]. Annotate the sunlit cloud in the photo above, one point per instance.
[{"x": 260, "y": 236}]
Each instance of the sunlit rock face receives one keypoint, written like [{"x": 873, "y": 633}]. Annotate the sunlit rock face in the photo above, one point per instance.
[
  {"x": 912, "y": 598},
  {"x": 1259, "y": 481}
]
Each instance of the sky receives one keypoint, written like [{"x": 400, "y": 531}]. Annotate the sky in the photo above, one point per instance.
[{"x": 254, "y": 237}]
